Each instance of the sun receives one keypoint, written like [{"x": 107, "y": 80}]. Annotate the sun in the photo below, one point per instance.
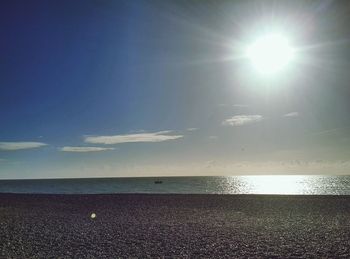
[{"x": 270, "y": 53}]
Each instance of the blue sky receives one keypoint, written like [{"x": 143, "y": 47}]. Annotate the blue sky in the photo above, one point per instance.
[{"x": 138, "y": 88}]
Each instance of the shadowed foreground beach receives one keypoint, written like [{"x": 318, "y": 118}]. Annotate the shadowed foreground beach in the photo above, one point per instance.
[{"x": 137, "y": 225}]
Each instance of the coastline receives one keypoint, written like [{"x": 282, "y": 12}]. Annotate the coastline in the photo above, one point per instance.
[{"x": 174, "y": 225}]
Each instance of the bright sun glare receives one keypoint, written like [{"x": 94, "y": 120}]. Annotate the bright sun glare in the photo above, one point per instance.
[{"x": 270, "y": 53}]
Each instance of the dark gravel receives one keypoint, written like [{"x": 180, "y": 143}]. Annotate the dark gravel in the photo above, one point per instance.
[{"x": 137, "y": 225}]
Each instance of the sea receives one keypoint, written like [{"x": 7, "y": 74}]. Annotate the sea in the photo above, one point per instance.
[{"x": 262, "y": 184}]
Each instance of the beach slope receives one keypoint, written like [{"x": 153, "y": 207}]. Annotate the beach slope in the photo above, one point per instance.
[{"x": 145, "y": 225}]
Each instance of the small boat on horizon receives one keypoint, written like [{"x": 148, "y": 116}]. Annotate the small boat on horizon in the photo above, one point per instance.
[{"x": 158, "y": 181}]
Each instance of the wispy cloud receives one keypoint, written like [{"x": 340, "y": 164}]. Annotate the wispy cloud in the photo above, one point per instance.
[
  {"x": 192, "y": 129},
  {"x": 331, "y": 131},
  {"x": 213, "y": 137},
  {"x": 132, "y": 138},
  {"x": 292, "y": 114},
  {"x": 85, "y": 149},
  {"x": 240, "y": 120},
  {"x": 12, "y": 146},
  {"x": 238, "y": 105}
]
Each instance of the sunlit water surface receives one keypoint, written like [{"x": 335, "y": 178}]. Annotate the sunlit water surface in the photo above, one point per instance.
[{"x": 268, "y": 184}]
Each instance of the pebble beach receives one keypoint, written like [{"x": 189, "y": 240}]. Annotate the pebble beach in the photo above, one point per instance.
[{"x": 174, "y": 225}]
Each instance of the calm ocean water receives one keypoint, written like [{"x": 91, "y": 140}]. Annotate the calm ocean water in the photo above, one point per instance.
[{"x": 296, "y": 184}]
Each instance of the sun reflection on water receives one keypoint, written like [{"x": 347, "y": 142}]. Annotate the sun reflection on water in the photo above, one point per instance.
[{"x": 272, "y": 184}]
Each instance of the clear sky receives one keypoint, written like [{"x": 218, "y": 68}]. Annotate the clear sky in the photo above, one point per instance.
[{"x": 141, "y": 88}]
